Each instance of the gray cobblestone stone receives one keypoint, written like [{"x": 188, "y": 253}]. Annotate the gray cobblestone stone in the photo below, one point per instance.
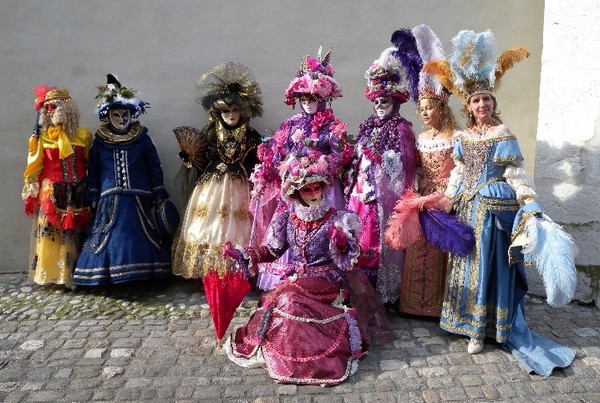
[{"x": 156, "y": 343}]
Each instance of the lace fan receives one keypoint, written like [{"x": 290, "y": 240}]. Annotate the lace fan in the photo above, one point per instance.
[{"x": 193, "y": 143}]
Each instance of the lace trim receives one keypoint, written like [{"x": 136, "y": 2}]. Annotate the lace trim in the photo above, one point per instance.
[{"x": 308, "y": 213}]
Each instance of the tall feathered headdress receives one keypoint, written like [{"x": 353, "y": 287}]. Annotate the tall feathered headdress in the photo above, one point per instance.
[
  {"x": 315, "y": 77},
  {"x": 396, "y": 72},
  {"x": 474, "y": 66},
  {"x": 430, "y": 48},
  {"x": 233, "y": 83},
  {"x": 113, "y": 94}
]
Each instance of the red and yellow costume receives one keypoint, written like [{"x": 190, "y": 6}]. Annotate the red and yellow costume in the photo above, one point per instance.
[{"x": 55, "y": 195}]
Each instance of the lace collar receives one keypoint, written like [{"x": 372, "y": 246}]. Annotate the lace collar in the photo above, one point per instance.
[{"x": 311, "y": 213}]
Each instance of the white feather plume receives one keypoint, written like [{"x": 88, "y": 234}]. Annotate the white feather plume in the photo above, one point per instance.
[
  {"x": 552, "y": 250},
  {"x": 430, "y": 48}
]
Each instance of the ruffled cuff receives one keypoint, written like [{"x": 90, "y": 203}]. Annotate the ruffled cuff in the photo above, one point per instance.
[
  {"x": 30, "y": 190},
  {"x": 456, "y": 177},
  {"x": 519, "y": 180},
  {"x": 347, "y": 258}
]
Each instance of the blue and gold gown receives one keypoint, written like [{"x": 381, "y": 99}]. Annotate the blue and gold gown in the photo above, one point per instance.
[
  {"x": 485, "y": 290},
  {"x": 124, "y": 243}
]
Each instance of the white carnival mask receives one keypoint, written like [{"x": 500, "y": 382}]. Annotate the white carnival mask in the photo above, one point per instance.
[
  {"x": 383, "y": 106},
  {"x": 120, "y": 119},
  {"x": 310, "y": 104}
]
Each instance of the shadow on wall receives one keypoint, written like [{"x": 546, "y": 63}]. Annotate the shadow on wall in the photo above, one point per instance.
[{"x": 567, "y": 183}]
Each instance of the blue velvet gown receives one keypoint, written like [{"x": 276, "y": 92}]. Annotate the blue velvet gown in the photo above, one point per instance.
[
  {"x": 485, "y": 290},
  {"x": 124, "y": 243}
]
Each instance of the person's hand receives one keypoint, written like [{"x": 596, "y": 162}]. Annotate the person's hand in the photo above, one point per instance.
[
  {"x": 185, "y": 157},
  {"x": 229, "y": 250},
  {"x": 446, "y": 203},
  {"x": 30, "y": 204},
  {"x": 159, "y": 196},
  {"x": 338, "y": 237}
]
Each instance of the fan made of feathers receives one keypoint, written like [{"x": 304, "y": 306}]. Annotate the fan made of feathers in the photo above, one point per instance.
[{"x": 193, "y": 145}]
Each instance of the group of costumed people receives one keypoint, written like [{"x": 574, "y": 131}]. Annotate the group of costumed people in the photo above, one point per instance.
[
  {"x": 333, "y": 228},
  {"x": 99, "y": 204}
]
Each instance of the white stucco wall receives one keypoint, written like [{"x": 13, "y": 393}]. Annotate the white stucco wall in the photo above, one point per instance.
[
  {"x": 568, "y": 148},
  {"x": 162, "y": 47}
]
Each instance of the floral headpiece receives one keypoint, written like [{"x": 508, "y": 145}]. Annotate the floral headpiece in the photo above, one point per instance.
[
  {"x": 474, "y": 66},
  {"x": 301, "y": 169},
  {"x": 45, "y": 94},
  {"x": 113, "y": 94},
  {"x": 430, "y": 48},
  {"x": 315, "y": 77},
  {"x": 396, "y": 72},
  {"x": 234, "y": 83}
]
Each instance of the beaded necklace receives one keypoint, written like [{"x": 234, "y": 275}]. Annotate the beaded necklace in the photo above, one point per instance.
[{"x": 481, "y": 130}]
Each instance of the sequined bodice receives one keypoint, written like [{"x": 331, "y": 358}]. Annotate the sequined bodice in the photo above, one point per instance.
[{"x": 479, "y": 168}]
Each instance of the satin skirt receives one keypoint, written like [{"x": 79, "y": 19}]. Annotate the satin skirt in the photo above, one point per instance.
[
  {"x": 300, "y": 335},
  {"x": 485, "y": 292},
  {"x": 216, "y": 212},
  {"x": 53, "y": 251}
]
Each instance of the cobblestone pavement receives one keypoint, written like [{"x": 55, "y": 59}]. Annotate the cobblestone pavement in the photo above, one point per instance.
[{"x": 155, "y": 342}]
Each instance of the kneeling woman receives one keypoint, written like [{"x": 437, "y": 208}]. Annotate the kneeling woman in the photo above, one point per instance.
[{"x": 303, "y": 333}]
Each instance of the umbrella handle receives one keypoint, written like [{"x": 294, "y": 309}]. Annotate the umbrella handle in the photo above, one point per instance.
[{"x": 219, "y": 343}]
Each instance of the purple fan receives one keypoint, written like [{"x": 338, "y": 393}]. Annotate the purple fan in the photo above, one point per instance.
[{"x": 446, "y": 232}]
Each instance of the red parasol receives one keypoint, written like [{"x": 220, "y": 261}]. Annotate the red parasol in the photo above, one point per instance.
[{"x": 224, "y": 295}]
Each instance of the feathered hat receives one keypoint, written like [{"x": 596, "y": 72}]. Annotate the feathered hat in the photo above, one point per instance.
[
  {"x": 303, "y": 168},
  {"x": 430, "y": 48},
  {"x": 113, "y": 94},
  {"x": 45, "y": 94},
  {"x": 315, "y": 77},
  {"x": 396, "y": 72},
  {"x": 233, "y": 83},
  {"x": 474, "y": 66}
]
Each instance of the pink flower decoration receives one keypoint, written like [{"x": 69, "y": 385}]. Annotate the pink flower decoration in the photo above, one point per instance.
[
  {"x": 313, "y": 63},
  {"x": 339, "y": 128},
  {"x": 371, "y": 155},
  {"x": 280, "y": 137},
  {"x": 265, "y": 154},
  {"x": 298, "y": 135}
]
